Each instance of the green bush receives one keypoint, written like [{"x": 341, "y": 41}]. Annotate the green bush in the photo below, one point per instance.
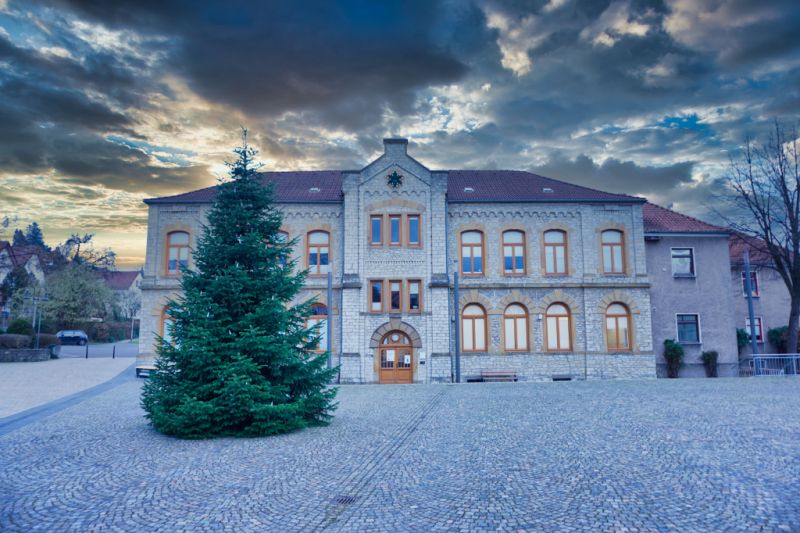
[
  {"x": 20, "y": 326},
  {"x": 14, "y": 341},
  {"x": 673, "y": 353},
  {"x": 742, "y": 338},
  {"x": 45, "y": 340},
  {"x": 779, "y": 338},
  {"x": 710, "y": 359}
]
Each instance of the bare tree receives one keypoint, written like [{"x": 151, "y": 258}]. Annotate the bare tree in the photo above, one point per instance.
[
  {"x": 765, "y": 180},
  {"x": 80, "y": 249}
]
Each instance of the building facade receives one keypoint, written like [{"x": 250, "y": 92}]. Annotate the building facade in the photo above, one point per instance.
[{"x": 554, "y": 281}]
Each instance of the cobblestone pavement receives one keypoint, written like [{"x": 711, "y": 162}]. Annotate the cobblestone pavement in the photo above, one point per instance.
[
  {"x": 677, "y": 455},
  {"x": 27, "y": 385}
]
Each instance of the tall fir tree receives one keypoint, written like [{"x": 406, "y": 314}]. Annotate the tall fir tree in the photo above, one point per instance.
[
  {"x": 34, "y": 235},
  {"x": 19, "y": 238},
  {"x": 239, "y": 360}
]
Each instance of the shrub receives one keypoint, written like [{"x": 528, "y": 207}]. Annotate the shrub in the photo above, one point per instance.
[
  {"x": 45, "y": 340},
  {"x": 742, "y": 338},
  {"x": 710, "y": 362},
  {"x": 109, "y": 331},
  {"x": 14, "y": 341},
  {"x": 20, "y": 326},
  {"x": 779, "y": 338},
  {"x": 673, "y": 353}
]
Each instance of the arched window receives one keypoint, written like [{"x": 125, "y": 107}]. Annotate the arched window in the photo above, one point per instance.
[
  {"x": 167, "y": 324},
  {"x": 555, "y": 252},
  {"x": 618, "y": 328},
  {"x": 513, "y": 253},
  {"x": 318, "y": 253},
  {"x": 473, "y": 328},
  {"x": 319, "y": 315},
  {"x": 177, "y": 252},
  {"x": 613, "y": 252},
  {"x": 282, "y": 238},
  {"x": 515, "y": 327},
  {"x": 558, "y": 329},
  {"x": 472, "y": 253}
]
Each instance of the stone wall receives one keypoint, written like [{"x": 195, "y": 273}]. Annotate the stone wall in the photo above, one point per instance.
[{"x": 25, "y": 355}]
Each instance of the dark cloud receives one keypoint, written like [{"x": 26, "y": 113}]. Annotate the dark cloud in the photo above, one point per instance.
[
  {"x": 618, "y": 176},
  {"x": 348, "y": 59}
]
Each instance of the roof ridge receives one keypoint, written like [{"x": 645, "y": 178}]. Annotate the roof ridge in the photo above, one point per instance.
[{"x": 688, "y": 216}]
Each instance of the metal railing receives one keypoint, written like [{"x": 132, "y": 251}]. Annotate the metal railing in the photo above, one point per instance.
[{"x": 770, "y": 365}]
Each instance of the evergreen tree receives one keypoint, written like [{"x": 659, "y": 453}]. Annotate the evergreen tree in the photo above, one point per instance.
[
  {"x": 35, "y": 236},
  {"x": 19, "y": 238},
  {"x": 239, "y": 360}
]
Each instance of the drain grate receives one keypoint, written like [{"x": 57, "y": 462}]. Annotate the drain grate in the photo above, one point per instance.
[{"x": 345, "y": 500}]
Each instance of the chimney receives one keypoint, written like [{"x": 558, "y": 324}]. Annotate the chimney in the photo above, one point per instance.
[{"x": 395, "y": 147}]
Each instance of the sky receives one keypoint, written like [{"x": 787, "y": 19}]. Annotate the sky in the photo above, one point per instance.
[{"x": 103, "y": 104}]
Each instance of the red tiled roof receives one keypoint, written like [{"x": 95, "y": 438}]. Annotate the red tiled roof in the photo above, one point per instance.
[
  {"x": 659, "y": 219},
  {"x": 20, "y": 255},
  {"x": 521, "y": 186},
  {"x": 294, "y": 186},
  {"x": 758, "y": 254},
  {"x": 487, "y": 186},
  {"x": 118, "y": 280}
]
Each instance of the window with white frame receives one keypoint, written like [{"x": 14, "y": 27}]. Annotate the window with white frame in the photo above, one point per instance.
[
  {"x": 759, "y": 328},
  {"x": 753, "y": 283},
  {"x": 683, "y": 262},
  {"x": 688, "y": 328}
]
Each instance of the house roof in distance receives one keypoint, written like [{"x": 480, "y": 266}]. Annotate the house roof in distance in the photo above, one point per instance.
[
  {"x": 659, "y": 219},
  {"x": 757, "y": 248},
  {"x": 118, "y": 280},
  {"x": 325, "y": 186}
]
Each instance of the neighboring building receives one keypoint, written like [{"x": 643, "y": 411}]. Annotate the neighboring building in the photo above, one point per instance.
[
  {"x": 689, "y": 268},
  {"x": 126, "y": 286},
  {"x": 30, "y": 257},
  {"x": 554, "y": 277},
  {"x": 771, "y": 300}
]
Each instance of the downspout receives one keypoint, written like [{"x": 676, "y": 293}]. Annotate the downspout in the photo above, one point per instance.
[{"x": 447, "y": 272}]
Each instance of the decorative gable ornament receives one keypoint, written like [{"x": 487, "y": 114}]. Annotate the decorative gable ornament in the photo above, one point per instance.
[{"x": 394, "y": 180}]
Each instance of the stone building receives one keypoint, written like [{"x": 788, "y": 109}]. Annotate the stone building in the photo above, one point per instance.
[{"x": 554, "y": 279}]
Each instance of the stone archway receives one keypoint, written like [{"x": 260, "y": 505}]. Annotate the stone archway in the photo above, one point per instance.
[{"x": 396, "y": 346}]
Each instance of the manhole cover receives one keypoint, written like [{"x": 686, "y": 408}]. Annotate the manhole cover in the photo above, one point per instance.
[{"x": 345, "y": 500}]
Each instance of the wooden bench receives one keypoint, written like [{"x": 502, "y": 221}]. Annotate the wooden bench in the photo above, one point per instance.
[
  {"x": 498, "y": 375},
  {"x": 144, "y": 370}
]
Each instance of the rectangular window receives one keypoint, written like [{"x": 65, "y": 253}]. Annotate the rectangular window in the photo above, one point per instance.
[
  {"x": 689, "y": 328},
  {"x": 472, "y": 253},
  {"x": 394, "y": 230},
  {"x": 322, "y": 345},
  {"x": 682, "y": 262},
  {"x": 413, "y": 230},
  {"x": 753, "y": 283},
  {"x": 395, "y": 295},
  {"x": 759, "y": 329},
  {"x": 376, "y": 296},
  {"x": 376, "y": 230},
  {"x": 414, "y": 297}
]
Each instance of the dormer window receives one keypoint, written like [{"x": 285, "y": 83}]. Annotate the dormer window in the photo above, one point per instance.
[
  {"x": 313, "y": 189},
  {"x": 547, "y": 190},
  {"x": 469, "y": 189}
]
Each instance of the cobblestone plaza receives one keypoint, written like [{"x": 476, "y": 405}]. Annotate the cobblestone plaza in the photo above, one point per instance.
[{"x": 654, "y": 455}]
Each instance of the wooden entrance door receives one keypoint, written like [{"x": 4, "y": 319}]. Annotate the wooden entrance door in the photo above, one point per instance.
[{"x": 396, "y": 357}]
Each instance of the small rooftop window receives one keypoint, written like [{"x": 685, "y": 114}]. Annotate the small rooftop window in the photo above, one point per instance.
[
  {"x": 469, "y": 189},
  {"x": 313, "y": 189},
  {"x": 547, "y": 190}
]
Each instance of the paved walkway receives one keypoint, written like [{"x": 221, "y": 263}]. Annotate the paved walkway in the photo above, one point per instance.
[
  {"x": 677, "y": 455},
  {"x": 27, "y": 385}
]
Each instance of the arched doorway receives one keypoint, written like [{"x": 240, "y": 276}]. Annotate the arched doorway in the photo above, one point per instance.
[{"x": 396, "y": 353}]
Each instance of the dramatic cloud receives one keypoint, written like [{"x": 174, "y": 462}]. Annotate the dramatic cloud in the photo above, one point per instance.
[{"x": 104, "y": 103}]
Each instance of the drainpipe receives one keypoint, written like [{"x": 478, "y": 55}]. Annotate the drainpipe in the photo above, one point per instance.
[
  {"x": 748, "y": 287},
  {"x": 457, "y": 328},
  {"x": 328, "y": 324}
]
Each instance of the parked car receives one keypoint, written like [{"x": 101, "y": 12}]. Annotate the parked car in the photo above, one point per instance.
[{"x": 73, "y": 336}]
